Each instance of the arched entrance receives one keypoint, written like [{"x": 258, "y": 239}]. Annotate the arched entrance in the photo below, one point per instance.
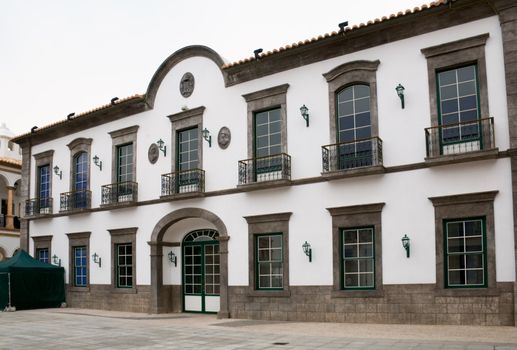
[
  {"x": 200, "y": 272},
  {"x": 160, "y": 298}
]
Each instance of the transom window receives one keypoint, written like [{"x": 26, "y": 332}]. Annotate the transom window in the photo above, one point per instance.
[
  {"x": 353, "y": 113},
  {"x": 269, "y": 260},
  {"x": 201, "y": 235},
  {"x": 268, "y": 137},
  {"x": 42, "y": 255},
  {"x": 125, "y": 163},
  {"x": 80, "y": 268},
  {"x": 358, "y": 255},
  {"x": 188, "y": 149},
  {"x": 459, "y": 103},
  {"x": 465, "y": 259},
  {"x": 124, "y": 265}
]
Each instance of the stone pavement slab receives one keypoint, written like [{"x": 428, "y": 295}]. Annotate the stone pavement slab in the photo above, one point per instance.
[{"x": 94, "y": 329}]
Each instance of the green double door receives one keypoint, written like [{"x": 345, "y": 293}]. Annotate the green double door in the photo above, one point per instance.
[{"x": 200, "y": 275}]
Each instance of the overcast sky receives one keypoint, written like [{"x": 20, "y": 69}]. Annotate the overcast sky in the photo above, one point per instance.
[{"x": 63, "y": 56}]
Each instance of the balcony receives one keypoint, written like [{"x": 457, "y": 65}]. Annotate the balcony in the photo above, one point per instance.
[
  {"x": 462, "y": 141},
  {"x": 119, "y": 193},
  {"x": 183, "y": 183},
  {"x": 75, "y": 201},
  {"x": 38, "y": 206},
  {"x": 352, "y": 158},
  {"x": 275, "y": 168}
]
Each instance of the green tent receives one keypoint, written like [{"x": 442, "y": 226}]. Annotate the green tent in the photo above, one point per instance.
[{"x": 34, "y": 284}]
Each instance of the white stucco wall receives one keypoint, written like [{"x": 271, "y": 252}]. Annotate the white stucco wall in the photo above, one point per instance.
[{"x": 407, "y": 209}]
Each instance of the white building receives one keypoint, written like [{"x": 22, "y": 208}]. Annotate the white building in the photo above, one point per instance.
[
  {"x": 10, "y": 200},
  {"x": 199, "y": 194}
]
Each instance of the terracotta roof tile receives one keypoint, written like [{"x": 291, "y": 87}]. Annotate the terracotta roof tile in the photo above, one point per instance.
[
  {"x": 83, "y": 114},
  {"x": 334, "y": 33},
  {"x": 10, "y": 161}
]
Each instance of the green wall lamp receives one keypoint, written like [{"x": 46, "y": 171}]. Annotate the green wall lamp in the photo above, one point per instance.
[
  {"x": 96, "y": 259},
  {"x": 305, "y": 114},
  {"x": 207, "y": 137},
  {"x": 58, "y": 172},
  {"x": 56, "y": 260},
  {"x": 162, "y": 147},
  {"x": 173, "y": 258},
  {"x": 400, "y": 92},
  {"x": 97, "y": 162},
  {"x": 307, "y": 250},
  {"x": 405, "y": 244}
]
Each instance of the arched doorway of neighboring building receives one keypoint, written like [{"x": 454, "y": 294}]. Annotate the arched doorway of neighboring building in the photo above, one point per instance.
[{"x": 206, "y": 235}]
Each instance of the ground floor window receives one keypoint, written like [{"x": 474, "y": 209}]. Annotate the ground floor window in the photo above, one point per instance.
[
  {"x": 80, "y": 266},
  {"x": 465, "y": 247},
  {"x": 42, "y": 255},
  {"x": 358, "y": 258},
  {"x": 269, "y": 261},
  {"x": 124, "y": 265}
]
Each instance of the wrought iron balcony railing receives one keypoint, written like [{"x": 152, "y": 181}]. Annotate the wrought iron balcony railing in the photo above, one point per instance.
[
  {"x": 75, "y": 200},
  {"x": 186, "y": 181},
  {"x": 38, "y": 206},
  {"x": 351, "y": 155},
  {"x": 121, "y": 192},
  {"x": 468, "y": 136},
  {"x": 270, "y": 168}
]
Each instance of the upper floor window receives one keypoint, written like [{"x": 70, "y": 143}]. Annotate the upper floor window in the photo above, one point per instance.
[
  {"x": 354, "y": 130},
  {"x": 187, "y": 149},
  {"x": 268, "y": 137},
  {"x": 80, "y": 176},
  {"x": 458, "y": 104},
  {"x": 44, "y": 181},
  {"x": 125, "y": 163}
]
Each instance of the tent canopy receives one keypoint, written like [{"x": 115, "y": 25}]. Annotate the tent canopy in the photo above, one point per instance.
[{"x": 34, "y": 284}]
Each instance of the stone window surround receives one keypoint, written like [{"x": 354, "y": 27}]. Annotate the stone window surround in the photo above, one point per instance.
[
  {"x": 263, "y": 224},
  {"x": 41, "y": 159},
  {"x": 348, "y": 74},
  {"x": 452, "y": 55},
  {"x": 42, "y": 242},
  {"x": 263, "y": 100},
  {"x": 78, "y": 239},
  {"x": 122, "y": 137},
  {"x": 77, "y": 146},
  {"x": 119, "y": 236},
  {"x": 185, "y": 120},
  {"x": 351, "y": 217},
  {"x": 460, "y": 206}
]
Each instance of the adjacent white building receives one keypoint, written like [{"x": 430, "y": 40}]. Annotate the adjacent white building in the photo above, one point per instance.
[
  {"x": 10, "y": 200},
  {"x": 280, "y": 187}
]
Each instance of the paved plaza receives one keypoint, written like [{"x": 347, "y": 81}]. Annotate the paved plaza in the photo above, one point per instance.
[{"x": 94, "y": 329}]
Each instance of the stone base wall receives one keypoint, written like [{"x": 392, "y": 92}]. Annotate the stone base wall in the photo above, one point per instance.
[
  {"x": 405, "y": 304},
  {"x": 105, "y": 297}
]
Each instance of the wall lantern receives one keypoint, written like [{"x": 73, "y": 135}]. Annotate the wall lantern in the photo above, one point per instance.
[
  {"x": 162, "y": 147},
  {"x": 58, "y": 172},
  {"x": 97, "y": 162},
  {"x": 400, "y": 92},
  {"x": 305, "y": 114},
  {"x": 96, "y": 259},
  {"x": 307, "y": 250},
  {"x": 173, "y": 258},
  {"x": 207, "y": 137},
  {"x": 405, "y": 244},
  {"x": 56, "y": 260}
]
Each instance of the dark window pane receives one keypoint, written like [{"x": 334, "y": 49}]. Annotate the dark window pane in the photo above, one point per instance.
[
  {"x": 362, "y": 105},
  {"x": 473, "y": 244},
  {"x": 345, "y": 95},
  {"x": 351, "y": 266},
  {"x": 469, "y": 102},
  {"x": 366, "y": 265},
  {"x": 456, "y": 277},
  {"x": 450, "y": 119},
  {"x": 468, "y": 88},
  {"x": 469, "y": 115},
  {"x": 475, "y": 277},
  {"x": 346, "y": 123},
  {"x": 261, "y": 118},
  {"x": 361, "y": 91},
  {"x": 351, "y": 280},
  {"x": 346, "y": 136},
  {"x": 473, "y": 228},
  {"x": 366, "y": 280},
  {"x": 365, "y": 236},
  {"x": 362, "y": 119},
  {"x": 446, "y": 78},
  {"x": 365, "y": 250},
  {"x": 448, "y": 92},
  {"x": 350, "y": 236},
  {"x": 466, "y": 73},
  {"x": 346, "y": 108},
  {"x": 456, "y": 245},
  {"x": 350, "y": 251},
  {"x": 449, "y": 106},
  {"x": 474, "y": 261},
  {"x": 456, "y": 262},
  {"x": 363, "y": 133}
]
